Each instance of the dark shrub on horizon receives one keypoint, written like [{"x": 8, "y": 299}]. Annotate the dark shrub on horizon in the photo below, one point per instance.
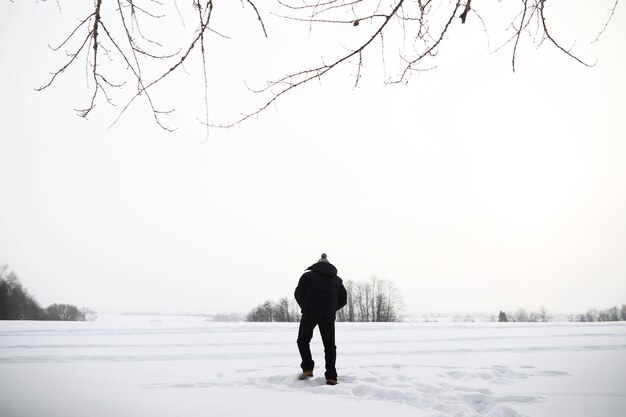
[{"x": 17, "y": 304}]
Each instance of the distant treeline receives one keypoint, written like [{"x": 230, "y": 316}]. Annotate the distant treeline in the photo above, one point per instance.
[
  {"x": 17, "y": 304},
  {"x": 609, "y": 314},
  {"x": 593, "y": 315},
  {"x": 227, "y": 317},
  {"x": 373, "y": 300},
  {"x": 283, "y": 310},
  {"x": 521, "y": 315}
]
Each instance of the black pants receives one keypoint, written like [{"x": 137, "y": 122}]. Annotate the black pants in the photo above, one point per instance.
[{"x": 305, "y": 333}]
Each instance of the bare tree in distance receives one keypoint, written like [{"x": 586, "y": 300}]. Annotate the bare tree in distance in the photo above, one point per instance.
[
  {"x": 117, "y": 41},
  {"x": 373, "y": 300},
  {"x": 283, "y": 310},
  {"x": 16, "y": 303},
  {"x": 68, "y": 312}
]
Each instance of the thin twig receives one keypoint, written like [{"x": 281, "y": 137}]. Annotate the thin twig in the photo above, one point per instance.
[
  {"x": 519, "y": 33},
  {"x": 606, "y": 24},
  {"x": 551, "y": 39},
  {"x": 258, "y": 16}
]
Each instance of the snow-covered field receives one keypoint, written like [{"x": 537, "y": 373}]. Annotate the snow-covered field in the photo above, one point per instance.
[{"x": 186, "y": 366}]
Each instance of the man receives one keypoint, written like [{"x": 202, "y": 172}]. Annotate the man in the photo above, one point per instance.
[{"x": 320, "y": 294}]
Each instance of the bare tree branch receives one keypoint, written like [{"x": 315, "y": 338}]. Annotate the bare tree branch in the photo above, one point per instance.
[
  {"x": 258, "y": 16},
  {"x": 551, "y": 39},
  {"x": 468, "y": 6},
  {"x": 519, "y": 32},
  {"x": 411, "y": 63},
  {"x": 155, "y": 112},
  {"x": 606, "y": 25},
  {"x": 64, "y": 67},
  {"x": 291, "y": 81},
  {"x": 411, "y": 32}
]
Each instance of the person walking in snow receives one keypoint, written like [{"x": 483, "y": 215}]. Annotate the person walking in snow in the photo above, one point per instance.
[{"x": 320, "y": 294}]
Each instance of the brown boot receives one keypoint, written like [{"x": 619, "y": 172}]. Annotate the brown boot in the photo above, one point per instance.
[
  {"x": 331, "y": 382},
  {"x": 305, "y": 374}
]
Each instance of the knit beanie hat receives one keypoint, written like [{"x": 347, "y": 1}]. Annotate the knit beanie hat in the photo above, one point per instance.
[{"x": 323, "y": 258}]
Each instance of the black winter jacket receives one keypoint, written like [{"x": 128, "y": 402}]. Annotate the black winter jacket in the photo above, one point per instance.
[{"x": 320, "y": 291}]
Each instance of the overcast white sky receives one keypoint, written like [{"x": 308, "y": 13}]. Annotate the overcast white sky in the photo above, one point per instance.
[{"x": 473, "y": 188}]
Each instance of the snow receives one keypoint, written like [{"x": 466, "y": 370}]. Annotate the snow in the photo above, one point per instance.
[{"x": 187, "y": 366}]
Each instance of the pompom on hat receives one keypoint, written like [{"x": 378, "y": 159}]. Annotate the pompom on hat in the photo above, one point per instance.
[{"x": 323, "y": 258}]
